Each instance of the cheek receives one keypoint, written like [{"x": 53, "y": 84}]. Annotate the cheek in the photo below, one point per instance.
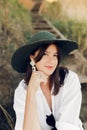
[
  {"x": 39, "y": 65},
  {"x": 56, "y": 61},
  {"x": 56, "y": 64}
]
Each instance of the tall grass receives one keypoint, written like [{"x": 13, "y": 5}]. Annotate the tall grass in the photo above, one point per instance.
[
  {"x": 15, "y": 23},
  {"x": 52, "y": 11},
  {"x": 70, "y": 28},
  {"x": 74, "y": 30},
  {"x": 15, "y": 30}
]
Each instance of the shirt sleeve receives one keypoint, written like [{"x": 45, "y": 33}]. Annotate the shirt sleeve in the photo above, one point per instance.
[
  {"x": 71, "y": 104},
  {"x": 19, "y": 105}
]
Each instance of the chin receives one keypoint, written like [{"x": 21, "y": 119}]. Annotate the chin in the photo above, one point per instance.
[{"x": 49, "y": 74}]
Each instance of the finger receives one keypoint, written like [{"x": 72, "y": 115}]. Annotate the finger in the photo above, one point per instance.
[{"x": 39, "y": 76}]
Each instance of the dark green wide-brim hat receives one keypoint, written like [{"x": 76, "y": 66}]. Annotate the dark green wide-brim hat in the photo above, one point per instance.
[{"x": 20, "y": 58}]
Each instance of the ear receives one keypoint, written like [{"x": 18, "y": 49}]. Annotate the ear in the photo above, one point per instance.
[{"x": 31, "y": 57}]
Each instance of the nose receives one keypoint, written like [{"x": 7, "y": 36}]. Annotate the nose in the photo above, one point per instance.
[{"x": 51, "y": 59}]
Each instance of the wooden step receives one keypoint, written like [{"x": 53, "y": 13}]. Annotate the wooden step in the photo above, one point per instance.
[
  {"x": 36, "y": 7},
  {"x": 40, "y": 24},
  {"x": 36, "y": 16},
  {"x": 40, "y": 27},
  {"x": 37, "y": 0},
  {"x": 38, "y": 21}
]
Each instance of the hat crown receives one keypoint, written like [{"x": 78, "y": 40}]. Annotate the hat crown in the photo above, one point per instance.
[{"x": 42, "y": 36}]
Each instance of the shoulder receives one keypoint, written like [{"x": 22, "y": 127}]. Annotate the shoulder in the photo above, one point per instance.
[
  {"x": 72, "y": 80},
  {"x": 21, "y": 89},
  {"x": 20, "y": 97},
  {"x": 71, "y": 75}
]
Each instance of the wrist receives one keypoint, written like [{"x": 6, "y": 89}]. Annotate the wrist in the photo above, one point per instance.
[
  {"x": 32, "y": 87},
  {"x": 31, "y": 91}
]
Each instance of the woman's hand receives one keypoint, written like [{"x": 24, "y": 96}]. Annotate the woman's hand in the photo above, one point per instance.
[{"x": 36, "y": 78}]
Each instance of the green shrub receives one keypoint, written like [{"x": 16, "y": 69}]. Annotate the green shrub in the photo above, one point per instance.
[
  {"x": 70, "y": 28},
  {"x": 15, "y": 22},
  {"x": 52, "y": 10},
  {"x": 75, "y": 30}
]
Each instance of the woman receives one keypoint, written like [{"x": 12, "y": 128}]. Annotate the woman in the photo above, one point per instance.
[{"x": 49, "y": 97}]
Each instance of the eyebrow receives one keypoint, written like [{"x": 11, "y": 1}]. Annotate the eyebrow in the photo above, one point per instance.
[{"x": 53, "y": 53}]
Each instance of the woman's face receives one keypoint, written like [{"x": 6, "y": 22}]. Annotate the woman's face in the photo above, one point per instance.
[{"x": 49, "y": 60}]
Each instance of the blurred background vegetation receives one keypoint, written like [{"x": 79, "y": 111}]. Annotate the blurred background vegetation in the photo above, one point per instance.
[
  {"x": 15, "y": 31},
  {"x": 15, "y": 24},
  {"x": 71, "y": 27}
]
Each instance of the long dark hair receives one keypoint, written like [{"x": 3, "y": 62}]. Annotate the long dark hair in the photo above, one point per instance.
[{"x": 58, "y": 76}]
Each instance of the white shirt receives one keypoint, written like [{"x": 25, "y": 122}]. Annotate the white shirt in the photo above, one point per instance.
[{"x": 66, "y": 105}]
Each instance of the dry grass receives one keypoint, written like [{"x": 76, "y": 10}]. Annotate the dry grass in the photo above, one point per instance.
[
  {"x": 14, "y": 23},
  {"x": 76, "y": 9},
  {"x": 70, "y": 27}
]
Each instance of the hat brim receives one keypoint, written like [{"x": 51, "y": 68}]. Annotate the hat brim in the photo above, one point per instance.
[{"x": 20, "y": 58}]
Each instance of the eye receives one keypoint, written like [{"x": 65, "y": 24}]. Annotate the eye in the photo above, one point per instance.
[
  {"x": 45, "y": 53},
  {"x": 55, "y": 55}
]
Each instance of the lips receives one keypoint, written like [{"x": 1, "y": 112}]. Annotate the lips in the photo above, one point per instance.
[{"x": 49, "y": 67}]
